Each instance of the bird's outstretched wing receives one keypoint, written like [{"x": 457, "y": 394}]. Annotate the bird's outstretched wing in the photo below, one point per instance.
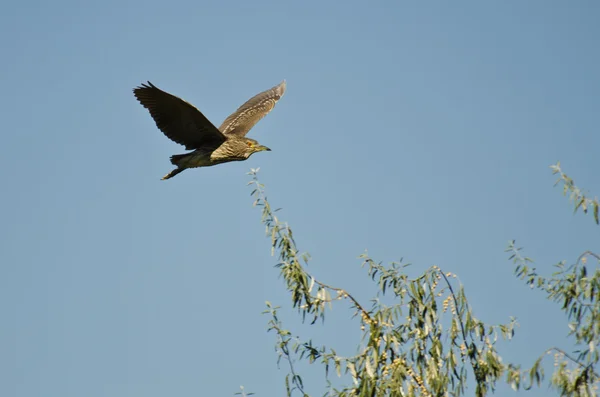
[
  {"x": 179, "y": 120},
  {"x": 250, "y": 113}
]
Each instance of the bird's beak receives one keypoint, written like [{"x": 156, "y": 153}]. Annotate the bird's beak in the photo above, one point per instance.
[{"x": 262, "y": 148}]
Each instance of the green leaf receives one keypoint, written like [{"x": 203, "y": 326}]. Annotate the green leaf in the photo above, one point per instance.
[
  {"x": 287, "y": 385},
  {"x": 353, "y": 373},
  {"x": 369, "y": 367}
]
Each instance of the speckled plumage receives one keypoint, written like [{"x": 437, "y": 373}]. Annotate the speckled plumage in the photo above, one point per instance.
[{"x": 183, "y": 123}]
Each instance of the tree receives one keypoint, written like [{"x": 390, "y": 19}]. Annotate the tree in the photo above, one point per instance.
[
  {"x": 576, "y": 288},
  {"x": 428, "y": 342}
]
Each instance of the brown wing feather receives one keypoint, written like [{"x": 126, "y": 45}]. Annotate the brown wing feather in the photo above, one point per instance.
[
  {"x": 246, "y": 116},
  {"x": 179, "y": 120}
]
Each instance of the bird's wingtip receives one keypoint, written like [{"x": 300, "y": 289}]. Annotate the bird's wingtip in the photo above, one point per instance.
[
  {"x": 281, "y": 87},
  {"x": 147, "y": 84}
]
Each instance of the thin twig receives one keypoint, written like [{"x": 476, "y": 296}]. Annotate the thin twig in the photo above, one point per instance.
[
  {"x": 590, "y": 253},
  {"x": 556, "y": 349},
  {"x": 462, "y": 328}
]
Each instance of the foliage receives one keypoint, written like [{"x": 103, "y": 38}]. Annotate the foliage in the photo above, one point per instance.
[
  {"x": 429, "y": 342},
  {"x": 577, "y": 292},
  {"x": 577, "y": 196},
  {"x": 576, "y": 288}
]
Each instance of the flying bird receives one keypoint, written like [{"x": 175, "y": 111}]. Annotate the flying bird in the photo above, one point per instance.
[{"x": 183, "y": 123}]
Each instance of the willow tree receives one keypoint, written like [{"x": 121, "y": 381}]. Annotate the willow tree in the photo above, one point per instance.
[{"x": 429, "y": 342}]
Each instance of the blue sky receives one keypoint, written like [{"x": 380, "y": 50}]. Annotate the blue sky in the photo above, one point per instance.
[{"x": 421, "y": 130}]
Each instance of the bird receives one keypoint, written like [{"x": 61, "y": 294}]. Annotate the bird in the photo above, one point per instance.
[{"x": 184, "y": 124}]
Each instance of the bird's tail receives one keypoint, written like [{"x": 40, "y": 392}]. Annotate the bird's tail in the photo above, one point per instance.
[
  {"x": 176, "y": 157},
  {"x": 172, "y": 173}
]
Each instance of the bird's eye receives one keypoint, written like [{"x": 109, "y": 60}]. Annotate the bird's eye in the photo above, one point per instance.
[{"x": 250, "y": 144}]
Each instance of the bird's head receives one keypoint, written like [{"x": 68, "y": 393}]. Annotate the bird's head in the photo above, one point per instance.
[{"x": 251, "y": 146}]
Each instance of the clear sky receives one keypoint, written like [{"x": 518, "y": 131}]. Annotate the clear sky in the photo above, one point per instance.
[{"x": 421, "y": 130}]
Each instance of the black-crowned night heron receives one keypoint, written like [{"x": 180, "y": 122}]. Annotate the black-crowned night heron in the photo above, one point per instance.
[{"x": 181, "y": 122}]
